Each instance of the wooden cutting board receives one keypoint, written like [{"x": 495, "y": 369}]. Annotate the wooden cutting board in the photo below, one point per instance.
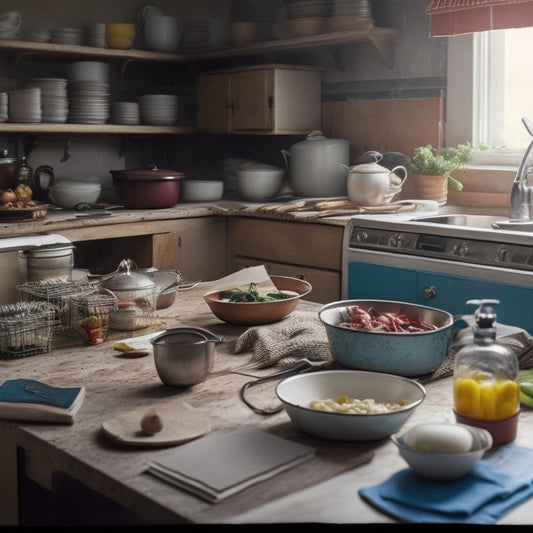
[{"x": 181, "y": 423}]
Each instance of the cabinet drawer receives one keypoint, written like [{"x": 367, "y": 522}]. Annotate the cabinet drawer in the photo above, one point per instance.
[
  {"x": 326, "y": 284},
  {"x": 297, "y": 243}
]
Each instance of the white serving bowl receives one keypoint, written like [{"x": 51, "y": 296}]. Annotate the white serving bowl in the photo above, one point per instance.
[
  {"x": 89, "y": 71},
  {"x": 201, "y": 190},
  {"x": 445, "y": 466},
  {"x": 68, "y": 193},
  {"x": 257, "y": 182},
  {"x": 296, "y": 393}
]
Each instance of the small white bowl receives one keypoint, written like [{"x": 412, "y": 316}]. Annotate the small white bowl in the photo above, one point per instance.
[
  {"x": 445, "y": 466},
  {"x": 256, "y": 182},
  {"x": 68, "y": 193},
  {"x": 201, "y": 190}
]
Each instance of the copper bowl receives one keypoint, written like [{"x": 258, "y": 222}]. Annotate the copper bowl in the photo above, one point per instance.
[{"x": 257, "y": 313}]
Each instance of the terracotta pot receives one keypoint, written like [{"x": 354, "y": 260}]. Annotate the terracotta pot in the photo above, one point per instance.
[{"x": 422, "y": 187}]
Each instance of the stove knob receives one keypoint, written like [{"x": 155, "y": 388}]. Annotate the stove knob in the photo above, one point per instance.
[
  {"x": 397, "y": 241},
  {"x": 361, "y": 236},
  {"x": 461, "y": 249},
  {"x": 503, "y": 254}
]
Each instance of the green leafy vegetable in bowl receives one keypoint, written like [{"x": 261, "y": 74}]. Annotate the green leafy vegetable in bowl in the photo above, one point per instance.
[{"x": 252, "y": 295}]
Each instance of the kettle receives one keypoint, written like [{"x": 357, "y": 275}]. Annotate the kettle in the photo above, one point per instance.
[{"x": 370, "y": 184}]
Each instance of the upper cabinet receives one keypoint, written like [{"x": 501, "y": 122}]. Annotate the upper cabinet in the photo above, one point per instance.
[
  {"x": 282, "y": 99},
  {"x": 267, "y": 119}
]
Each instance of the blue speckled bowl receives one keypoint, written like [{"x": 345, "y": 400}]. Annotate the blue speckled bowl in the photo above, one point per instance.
[{"x": 403, "y": 354}]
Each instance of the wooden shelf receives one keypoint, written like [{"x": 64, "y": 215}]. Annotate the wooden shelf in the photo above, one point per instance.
[{"x": 93, "y": 128}]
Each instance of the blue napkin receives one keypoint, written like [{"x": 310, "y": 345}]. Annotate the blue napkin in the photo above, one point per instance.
[{"x": 500, "y": 481}]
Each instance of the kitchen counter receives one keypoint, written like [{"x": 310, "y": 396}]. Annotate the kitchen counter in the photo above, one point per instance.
[{"x": 115, "y": 384}]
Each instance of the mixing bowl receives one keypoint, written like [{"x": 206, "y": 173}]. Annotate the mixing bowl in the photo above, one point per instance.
[
  {"x": 256, "y": 182},
  {"x": 68, "y": 193},
  {"x": 257, "y": 313},
  {"x": 404, "y": 354},
  {"x": 184, "y": 356},
  {"x": 296, "y": 393}
]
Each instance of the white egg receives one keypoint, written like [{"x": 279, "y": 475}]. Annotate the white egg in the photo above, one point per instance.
[{"x": 439, "y": 438}]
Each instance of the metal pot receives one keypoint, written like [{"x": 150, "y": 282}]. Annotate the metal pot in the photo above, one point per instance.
[
  {"x": 147, "y": 188},
  {"x": 317, "y": 166},
  {"x": 184, "y": 356},
  {"x": 9, "y": 171}
]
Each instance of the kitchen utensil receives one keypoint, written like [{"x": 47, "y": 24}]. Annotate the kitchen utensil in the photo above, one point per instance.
[
  {"x": 445, "y": 466},
  {"x": 296, "y": 393},
  {"x": 149, "y": 188},
  {"x": 372, "y": 184},
  {"x": 404, "y": 354},
  {"x": 184, "y": 356},
  {"x": 317, "y": 166},
  {"x": 167, "y": 282},
  {"x": 257, "y": 313},
  {"x": 136, "y": 294},
  {"x": 9, "y": 171},
  {"x": 256, "y": 181}
]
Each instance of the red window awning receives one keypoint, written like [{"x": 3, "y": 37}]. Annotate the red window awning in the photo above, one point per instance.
[{"x": 454, "y": 17}]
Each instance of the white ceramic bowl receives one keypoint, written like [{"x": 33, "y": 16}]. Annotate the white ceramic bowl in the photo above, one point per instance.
[
  {"x": 68, "y": 193},
  {"x": 445, "y": 466},
  {"x": 296, "y": 392},
  {"x": 201, "y": 190},
  {"x": 89, "y": 71},
  {"x": 256, "y": 182},
  {"x": 161, "y": 33}
]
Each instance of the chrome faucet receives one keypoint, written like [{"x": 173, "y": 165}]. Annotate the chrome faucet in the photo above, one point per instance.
[{"x": 521, "y": 193}]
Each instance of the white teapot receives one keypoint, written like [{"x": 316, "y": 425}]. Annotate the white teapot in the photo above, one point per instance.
[{"x": 370, "y": 184}]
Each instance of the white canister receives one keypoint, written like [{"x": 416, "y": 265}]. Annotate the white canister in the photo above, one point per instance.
[
  {"x": 51, "y": 262},
  {"x": 317, "y": 166}
]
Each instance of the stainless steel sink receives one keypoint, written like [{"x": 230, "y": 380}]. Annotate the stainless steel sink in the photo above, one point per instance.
[
  {"x": 462, "y": 220},
  {"x": 478, "y": 222}
]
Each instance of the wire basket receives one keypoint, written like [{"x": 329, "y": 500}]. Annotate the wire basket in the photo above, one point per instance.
[
  {"x": 26, "y": 328},
  {"x": 89, "y": 316},
  {"x": 56, "y": 293}
]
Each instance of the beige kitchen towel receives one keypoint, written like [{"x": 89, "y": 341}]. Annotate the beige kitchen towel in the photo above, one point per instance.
[{"x": 299, "y": 335}]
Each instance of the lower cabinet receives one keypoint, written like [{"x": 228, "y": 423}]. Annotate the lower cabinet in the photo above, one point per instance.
[{"x": 309, "y": 251}]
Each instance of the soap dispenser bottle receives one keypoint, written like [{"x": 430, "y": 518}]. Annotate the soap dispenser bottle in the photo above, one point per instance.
[{"x": 485, "y": 388}]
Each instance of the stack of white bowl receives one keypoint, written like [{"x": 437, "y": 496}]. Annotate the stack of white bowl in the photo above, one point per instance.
[
  {"x": 89, "y": 92},
  {"x": 25, "y": 105},
  {"x": 67, "y": 35},
  {"x": 124, "y": 113},
  {"x": 54, "y": 99},
  {"x": 158, "y": 109}
]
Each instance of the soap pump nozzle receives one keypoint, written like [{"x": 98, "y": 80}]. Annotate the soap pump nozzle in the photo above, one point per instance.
[{"x": 484, "y": 315}]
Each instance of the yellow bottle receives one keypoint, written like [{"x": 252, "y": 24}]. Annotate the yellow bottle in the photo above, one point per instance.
[{"x": 485, "y": 390}]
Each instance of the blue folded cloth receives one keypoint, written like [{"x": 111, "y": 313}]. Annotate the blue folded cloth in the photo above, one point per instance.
[{"x": 500, "y": 481}]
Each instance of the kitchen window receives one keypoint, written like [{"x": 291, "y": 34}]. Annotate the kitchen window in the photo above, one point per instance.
[{"x": 490, "y": 83}]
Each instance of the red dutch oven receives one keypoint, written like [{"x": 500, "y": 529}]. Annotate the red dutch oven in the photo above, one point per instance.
[{"x": 147, "y": 188}]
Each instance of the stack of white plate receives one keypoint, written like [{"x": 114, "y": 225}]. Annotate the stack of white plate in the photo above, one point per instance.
[
  {"x": 25, "y": 105},
  {"x": 356, "y": 8},
  {"x": 124, "y": 113},
  {"x": 89, "y": 102},
  {"x": 37, "y": 35},
  {"x": 158, "y": 109},
  {"x": 54, "y": 98},
  {"x": 67, "y": 35}
]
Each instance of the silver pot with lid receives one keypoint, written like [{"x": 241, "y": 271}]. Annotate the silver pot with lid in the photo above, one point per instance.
[
  {"x": 136, "y": 294},
  {"x": 317, "y": 166}
]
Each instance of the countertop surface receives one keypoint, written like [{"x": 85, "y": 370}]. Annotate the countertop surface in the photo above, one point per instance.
[{"x": 117, "y": 384}]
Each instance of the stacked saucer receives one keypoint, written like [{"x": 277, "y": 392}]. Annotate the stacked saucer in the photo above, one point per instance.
[
  {"x": 158, "y": 109},
  {"x": 54, "y": 99},
  {"x": 67, "y": 36},
  {"x": 124, "y": 113},
  {"x": 25, "y": 105},
  {"x": 89, "y": 102}
]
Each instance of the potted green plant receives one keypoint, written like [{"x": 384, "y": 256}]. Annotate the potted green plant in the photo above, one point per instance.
[{"x": 430, "y": 171}]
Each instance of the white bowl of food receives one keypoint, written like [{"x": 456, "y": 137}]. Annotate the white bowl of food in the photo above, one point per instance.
[
  {"x": 349, "y": 405},
  {"x": 443, "y": 451}
]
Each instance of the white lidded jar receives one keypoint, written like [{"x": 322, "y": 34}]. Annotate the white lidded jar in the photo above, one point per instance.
[
  {"x": 50, "y": 262},
  {"x": 317, "y": 166}
]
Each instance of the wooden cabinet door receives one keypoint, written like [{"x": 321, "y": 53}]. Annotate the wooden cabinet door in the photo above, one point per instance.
[
  {"x": 214, "y": 102},
  {"x": 252, "y": 99}
]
